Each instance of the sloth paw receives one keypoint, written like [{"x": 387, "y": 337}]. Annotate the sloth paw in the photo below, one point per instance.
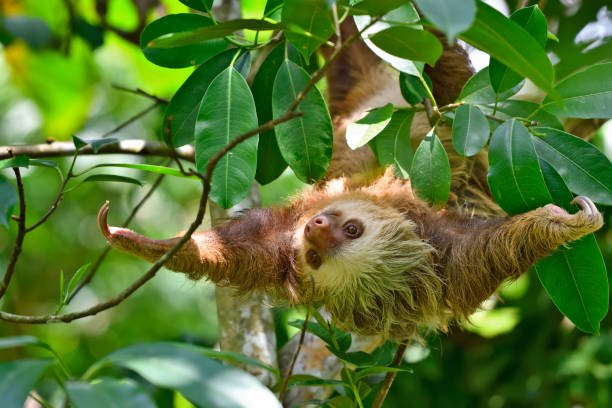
[{"x": 585, "y": 221}]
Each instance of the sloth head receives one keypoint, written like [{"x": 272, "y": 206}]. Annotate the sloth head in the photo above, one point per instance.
[{"x": 365, "y": 258}]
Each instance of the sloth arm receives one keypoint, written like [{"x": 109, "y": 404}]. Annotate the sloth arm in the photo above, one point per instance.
[
  {"x": 476, "y": 255},
  {"x": 252, "y": 252}
]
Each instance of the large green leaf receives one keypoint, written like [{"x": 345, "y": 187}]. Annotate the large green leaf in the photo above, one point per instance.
[
  {"x": 8, "y": 200},
  {"x": 392, "y": 145},
  {"x": 409, "y": 43},
  {"x": 470, "y": 130},
  {"x": 182, "y": 56},
  {"x": 478, "y": 90},
  {"x": 314, "y": 19},
  {"x": 514, "y": 176},
  {"x": 270, "y": 162},
  {"x": 450, "y": 16},
  {"x": 305, "y": 142},
  {"x": 534, "y": 22},
  {"x": 586, "y": 94},
  {"x": 227, "y": 111},
  {"x": 575, "y": 279},
  {"x": 361, "y": 132},
  {"x": 184, "y": 368},
  {"x": 430, "y": 171},
  {"x": 108, "y": 393},
  {"x": 185, "y": 104},
  {"x": 17, "y": 378},
  {"x": 199, "y": 35},
  {"x": 582, "y": 166},
  {"x": 511, "y": 44}
]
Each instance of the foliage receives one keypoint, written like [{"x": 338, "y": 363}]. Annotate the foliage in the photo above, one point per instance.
[{"x": 251, "y": 72}]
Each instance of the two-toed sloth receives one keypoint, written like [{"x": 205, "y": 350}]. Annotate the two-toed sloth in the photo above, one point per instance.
[{"x": 379, "y": 259}]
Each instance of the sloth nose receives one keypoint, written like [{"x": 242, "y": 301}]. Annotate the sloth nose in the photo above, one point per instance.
[
  {"x": 319, "y": 231},
  {"x": 316, "y": 224}
]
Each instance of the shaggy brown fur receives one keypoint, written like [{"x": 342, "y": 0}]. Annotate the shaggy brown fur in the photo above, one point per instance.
[{"x": 413, "y": 265}]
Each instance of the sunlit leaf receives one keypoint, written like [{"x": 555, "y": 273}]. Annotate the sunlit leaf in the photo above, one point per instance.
[
  {"x": 534, "y": 22},
  {"x": 314, "y": 17},
  {"x": 184, "y": 368},
  {"x": 181, "y": 56},
  {"x": 586, "y": 94},
  {"x": 582, "y": 166},
  {"x": 430, "y": 171},
  {"x": 227, "y": 111},
  {"x": 304, "y": 142},
  {"x": 511, "y": 44},
  {"x": 478, "y": 90},
  {"x": 470, "y": 130},
  {"x": 450, "y": 16},
  {"x": 108, "y": 393},
  {"x": 361, "y": 132},
  {"x": 514, "y": 176},
  {"x": 18, "y": 377}
]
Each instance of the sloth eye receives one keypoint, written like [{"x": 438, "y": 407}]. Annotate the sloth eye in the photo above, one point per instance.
[
  {"x": 313, "y": 258},
  {"x": 353, "y": 229}
]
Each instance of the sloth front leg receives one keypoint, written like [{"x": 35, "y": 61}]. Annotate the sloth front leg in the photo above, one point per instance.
[{"x": 497, "y": 249}]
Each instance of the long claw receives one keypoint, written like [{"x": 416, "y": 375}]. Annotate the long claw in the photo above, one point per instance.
[
  {"x": 585, "y": 204},
  {"x": 102, "y": 220}
]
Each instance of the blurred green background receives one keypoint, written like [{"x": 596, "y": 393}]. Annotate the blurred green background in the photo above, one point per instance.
[{"x": 517, "y": 352}]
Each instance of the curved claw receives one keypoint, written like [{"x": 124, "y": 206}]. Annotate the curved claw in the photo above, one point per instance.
[
  {"x": 102, "y": 221},
  {"x": 585, "y": 204}
]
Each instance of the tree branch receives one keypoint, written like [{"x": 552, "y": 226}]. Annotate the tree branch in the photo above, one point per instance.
[
  {"x": 388, "y": 381},
  {"x": 21, "y": 231},
  {"x": 129, "y": 146}
]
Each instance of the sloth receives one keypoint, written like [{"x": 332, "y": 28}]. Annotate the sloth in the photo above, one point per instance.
[{"x": 361, "y": 243}]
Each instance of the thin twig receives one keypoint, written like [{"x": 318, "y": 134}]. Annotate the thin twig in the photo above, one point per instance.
[
  {"x": 168, "y": 133},
  {"x": 21, "y": 231},
  {"x": 140, "y": 92},
  {"x": 388, "y": 381},
  {"x": 131, "y": 119},
  {"x": 94, "y": 268}
]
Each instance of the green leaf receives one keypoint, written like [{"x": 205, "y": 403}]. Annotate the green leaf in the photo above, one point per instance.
[
  {"x": 342, "y": 338},
  {"x": 17, "y": 161},
  {"x": 534, "y": 22},
  {"x": 183, "y": 56},
  {"x": 108, "y": 393},
  {"x": 450, "y": 16},
  {"x": 514, "y": 108},
  {"x": 478, "y": 90},
  {"x": 200, "y": 5},
  {"x": 304, "y": 142},
  {"x": 96, "y": 144},
  {"x": 409, "y": 43},
  {"x": 200, "y": 35},
  {"x": 393, "y": 146},
  {"x": 582, "y": 166},
  {"x": 376, "y": 7},
  {"x": 586, "y": 94},
  {"x": 185, "y": 104},
  {"x": 430, "y": 171},
  {"x": 34, "y": 31},
  {"x": 559, "y": 192},
  {"x": 470, "y": 130},
  {"x": 8, "y": 200},
  {"x": 514, "y": 176},
  {"x": 18, "y": 341},
  {"x": 382, "y": 356},
  {"x": 18, "y": 377},
  {"x": 401, "y": 16},
  {"x": 511, "y": 44},
  {"x": 272, "y": 6},
  {"x": 151, "y": 168},
  {"x": 43, "y": 163},
  {"x": 361, "y": 374},
  {"x": 185, "y": 368},
  {"x": 112, "y": 177},
  {"x": 412, "y": 88},
  {"x": 270, "y": 162},
  {"x": 361, "y": 132},
  {"x": 227, "y": 111},
  {"x": 306, "y": 380},
  {"x": 314, "y": 17},
  {"x": 76, "y": 278}
]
